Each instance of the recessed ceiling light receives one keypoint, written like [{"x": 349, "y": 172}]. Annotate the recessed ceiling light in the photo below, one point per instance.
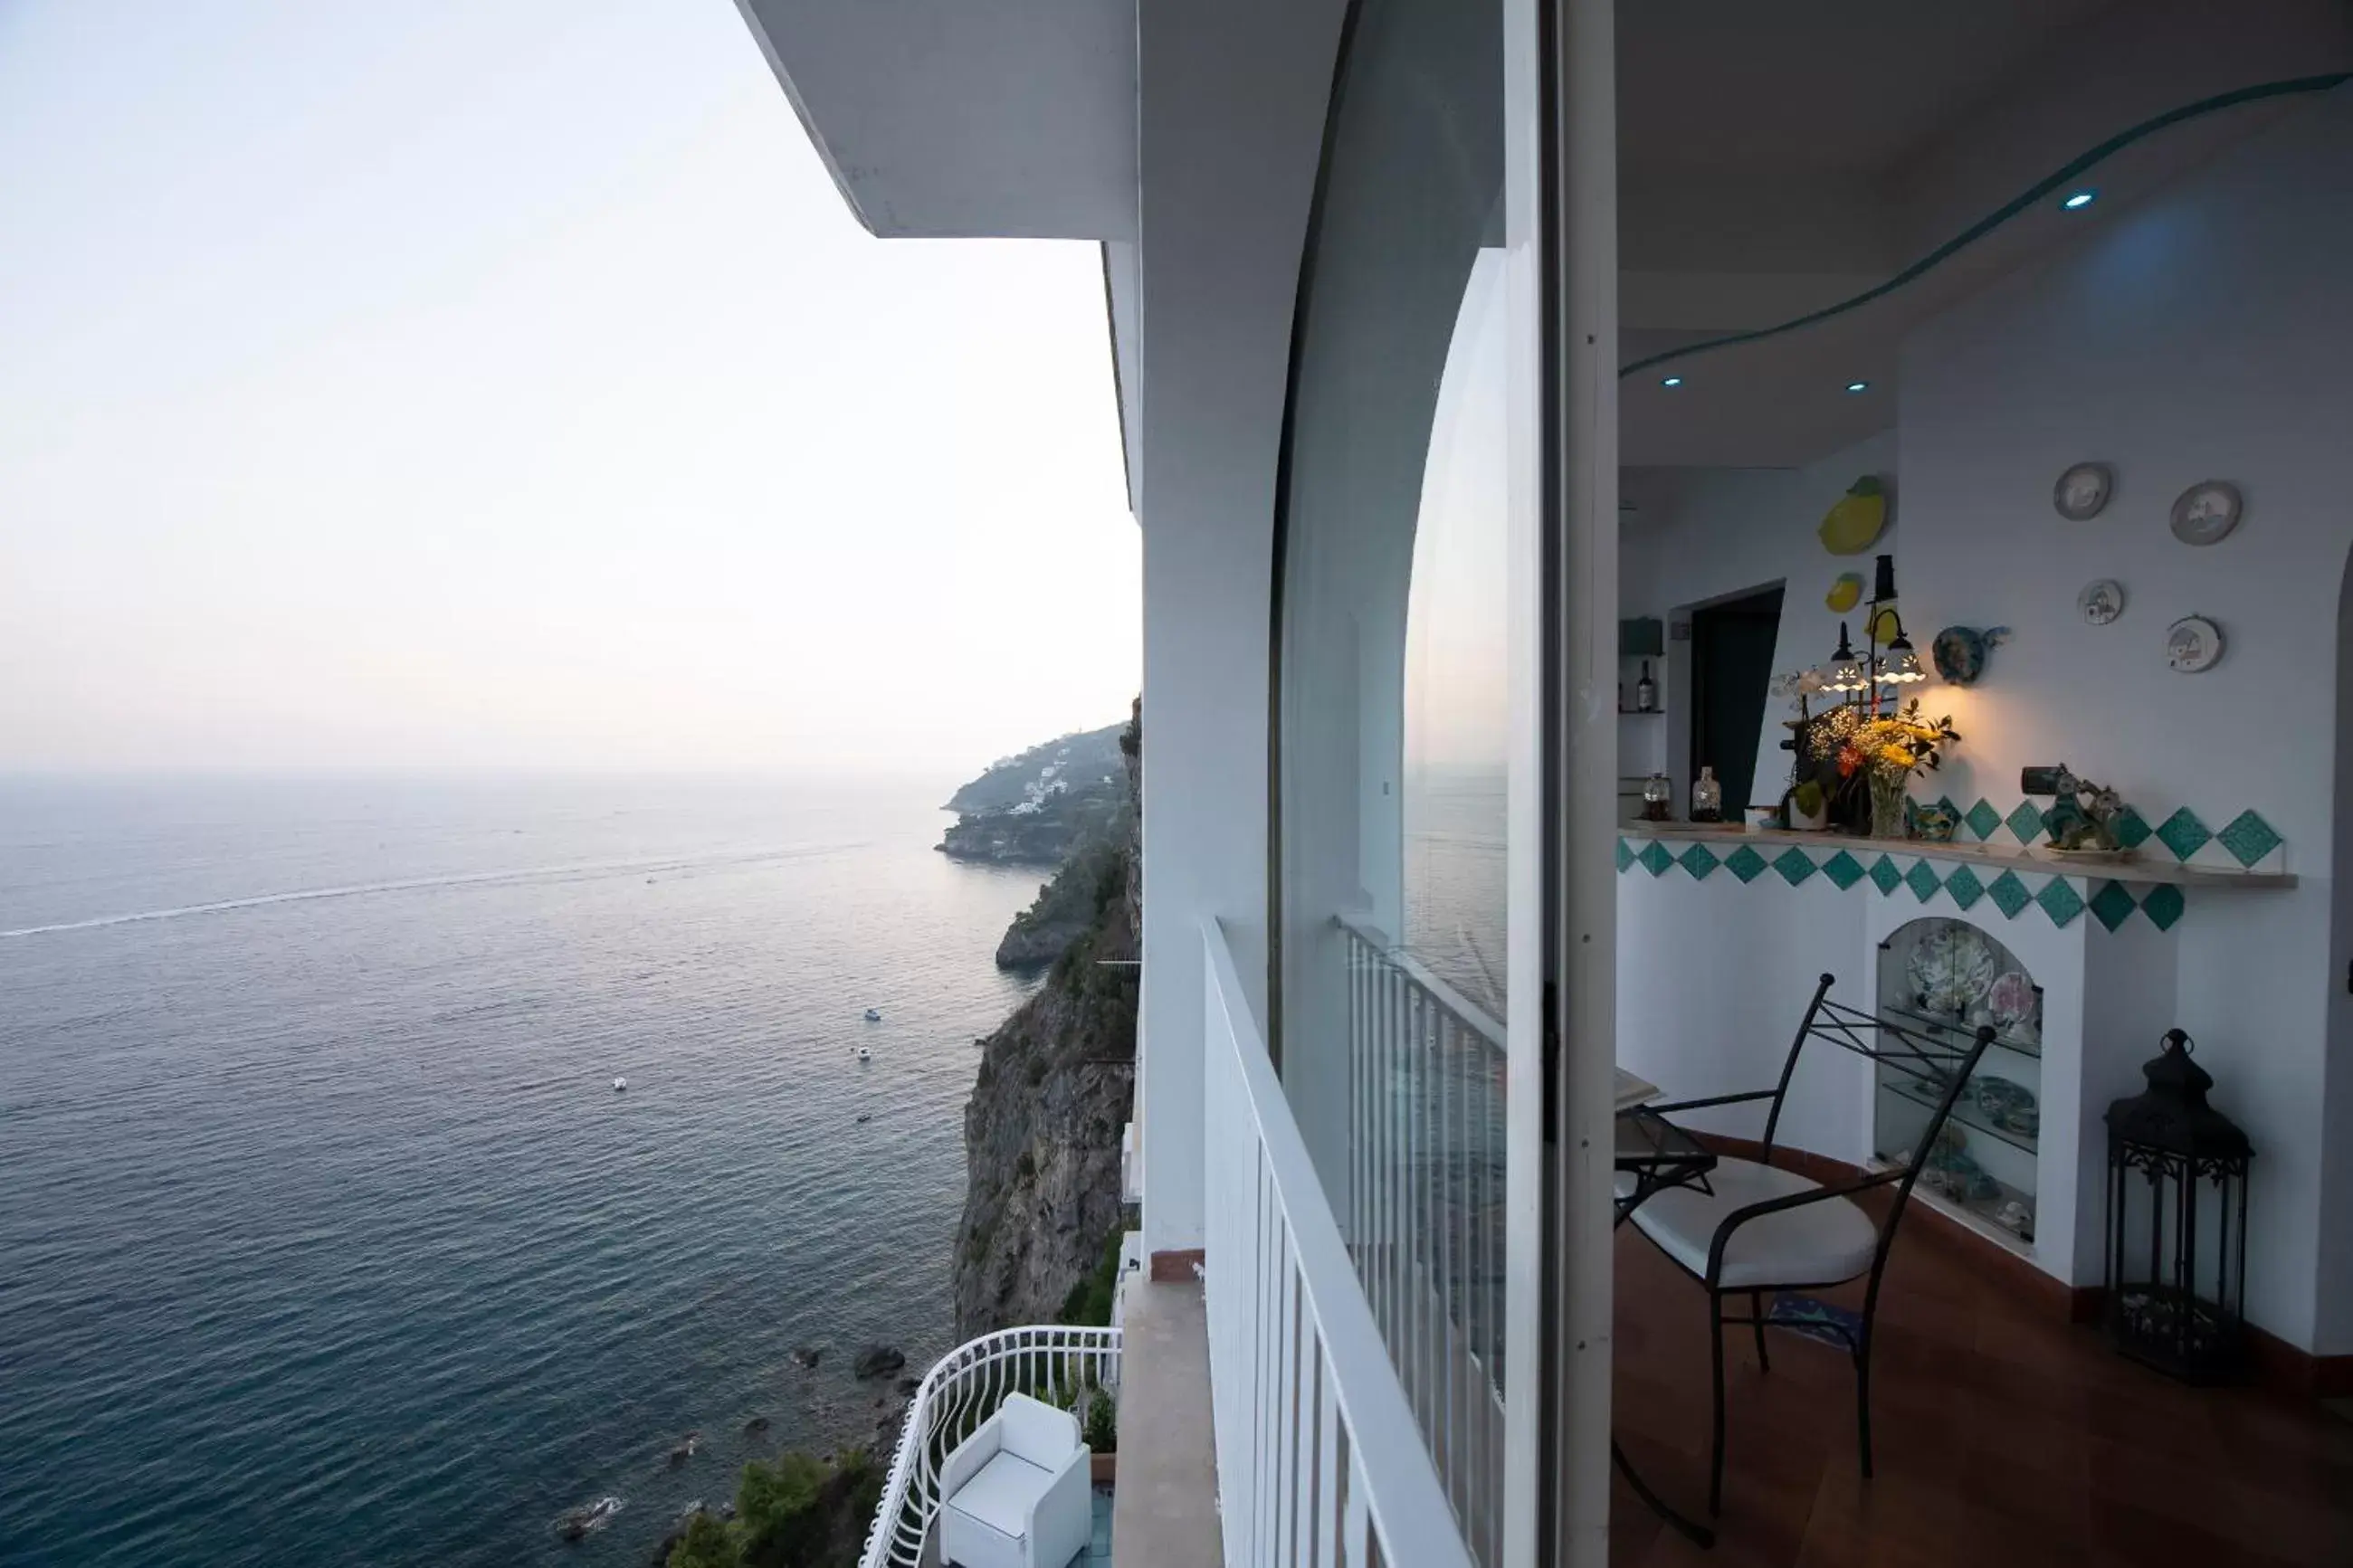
[
  {"x": 1672, "y": 381},
  {"x": 1858, "y": 387},
  {"x": 2080, "y": 200}
]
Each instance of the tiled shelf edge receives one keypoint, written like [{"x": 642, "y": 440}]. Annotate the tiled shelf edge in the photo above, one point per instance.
[{"x": 2144, "y": 871}]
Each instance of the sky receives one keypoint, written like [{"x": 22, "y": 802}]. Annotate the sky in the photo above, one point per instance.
[{"x": 497, "y": 384}]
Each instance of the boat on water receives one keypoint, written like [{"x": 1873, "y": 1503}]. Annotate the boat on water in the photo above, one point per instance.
[
  {"x": 864, "y": 1055},
  {"x": 873, "y": 1015},
  {"x": 619, "y": 1084}
]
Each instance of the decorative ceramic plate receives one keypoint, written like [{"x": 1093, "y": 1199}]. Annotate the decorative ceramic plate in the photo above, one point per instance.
[
  {"x": 2083, "y": 490},
  {"x": 2100, "y": 602},
  {"x": 1951, "y": 970},
  {"x": 2011, "y": 997},
  {"x": 2009, "y": 1106},
  {"x": 2090, "y": 857},
  {"x": 2205, "y": 512},
  {"x": 2192, "y": 645},
  {"x": 1961, "y": 655}
]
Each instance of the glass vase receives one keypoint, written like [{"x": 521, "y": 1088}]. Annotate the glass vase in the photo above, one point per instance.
[{"x": 1887, "y": 802}]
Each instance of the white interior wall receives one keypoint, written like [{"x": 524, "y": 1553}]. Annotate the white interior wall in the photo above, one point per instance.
[
  {"x": 1726, "y": 532},
  {"x": 2204, "y": 334}
]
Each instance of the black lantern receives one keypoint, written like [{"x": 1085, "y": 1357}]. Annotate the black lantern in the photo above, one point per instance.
[{"x": 2177, "y": 1177}]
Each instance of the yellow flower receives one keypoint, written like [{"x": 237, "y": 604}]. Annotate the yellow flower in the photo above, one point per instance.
[{"x": 1895, "y": 756}]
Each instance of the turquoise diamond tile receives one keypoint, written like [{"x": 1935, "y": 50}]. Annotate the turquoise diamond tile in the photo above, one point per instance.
[
  {"x": 1625, "y": 855},
  {"x": 2162, "y": 905},
  {"x": 1885, "y": 876},
  {"x": 2248, "y": 838},
  {"x": 2130, "y": 827},
  {"x": 1699, "y": 860},
  {"x": 2009, "y": 894},
  {"x": 2183, "y": 834},
  {"x": 1655, "y": 858},
  {"x": 1964, "y": 885},
  {"x": 1744, "y": 863},
  {"x": 1921, "y": 881},
  {"x": 2060, "y": 901},
  {"x": 2112, "y": 904},
  {"x": 1844, "y": 870},
  {"x": 2025, "y": 822},
  {"x": 1982, "y": 819},
  {"x": 1945, "y": 803},
  {"x": 1794, "y": 864}
]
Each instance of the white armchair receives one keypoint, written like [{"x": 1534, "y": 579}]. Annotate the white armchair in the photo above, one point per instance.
[{"x": 1017, "y": 1491}]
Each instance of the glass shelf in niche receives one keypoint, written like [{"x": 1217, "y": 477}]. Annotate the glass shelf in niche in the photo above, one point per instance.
[
  {"x": 1966, "y": 1110},
  {"x": 1960, "y": 1033}
]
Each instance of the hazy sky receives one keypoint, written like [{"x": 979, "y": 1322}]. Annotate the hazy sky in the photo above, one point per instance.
[{"x": 503, "y": 383}]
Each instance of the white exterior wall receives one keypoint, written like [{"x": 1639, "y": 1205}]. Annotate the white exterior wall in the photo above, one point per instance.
[
  {"x": 1225, "y": 196},
  {"x": 2203, "y": 335}
]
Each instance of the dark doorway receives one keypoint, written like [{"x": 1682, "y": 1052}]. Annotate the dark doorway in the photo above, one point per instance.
[{"x": 1732, "y": 666}]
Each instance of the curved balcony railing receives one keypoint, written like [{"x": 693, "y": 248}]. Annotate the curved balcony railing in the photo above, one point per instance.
[{"x": 1061, "y": 1366}]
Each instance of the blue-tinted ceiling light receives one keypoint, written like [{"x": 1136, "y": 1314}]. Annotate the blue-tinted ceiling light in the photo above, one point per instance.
[
  {"x": 1672, "y": 381},
  {"x": 2080, "y": 200},
  {"x": 1858, "y": 387}
]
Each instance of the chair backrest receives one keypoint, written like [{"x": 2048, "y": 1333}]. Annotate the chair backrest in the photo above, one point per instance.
[
  {"x": 1037, "y": 1431},
  {"x": 1917, "y": 1050}
]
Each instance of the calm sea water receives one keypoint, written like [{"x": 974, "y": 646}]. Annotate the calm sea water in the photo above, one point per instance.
[{"x": 324, "y": 1239}]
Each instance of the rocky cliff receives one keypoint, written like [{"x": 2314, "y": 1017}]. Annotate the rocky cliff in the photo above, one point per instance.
[{"x": 1057, "y": 1080}]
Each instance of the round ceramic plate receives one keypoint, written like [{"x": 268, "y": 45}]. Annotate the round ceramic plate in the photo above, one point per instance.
[
  {"x": 2192, "y": 645},
  {"x": 2083, "y": 490},
  {"x": 2205, "y": 512},
  {"x": 2100, "y": 602},
  {"x": 2011, "y": 997},
  {"x": 1951, "y": 969}
]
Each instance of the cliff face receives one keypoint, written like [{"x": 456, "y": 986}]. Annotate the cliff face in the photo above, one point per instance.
[{"x": 1056, "y": 1082}]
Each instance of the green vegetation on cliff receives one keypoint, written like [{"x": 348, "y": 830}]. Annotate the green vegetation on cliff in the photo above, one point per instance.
[{"x": 799, "y": 1512}]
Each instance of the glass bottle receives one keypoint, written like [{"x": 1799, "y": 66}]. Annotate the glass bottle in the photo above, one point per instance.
[
  {"x": 1657, "y": 799},
  {"x": 1646, "y": 691},
  {"x": 1707, "y": 797}
]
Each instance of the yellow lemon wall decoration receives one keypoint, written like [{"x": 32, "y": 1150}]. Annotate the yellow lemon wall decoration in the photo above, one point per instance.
[
  {"x": 1884, "y": 625},
  {"x": 1853, "y": 525},
  {"x": 1845, "y": 594}
]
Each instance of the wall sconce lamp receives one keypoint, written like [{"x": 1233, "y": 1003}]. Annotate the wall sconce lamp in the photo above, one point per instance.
[
  {"x": 1902, "y": 664},
  {"x": 1846, "y": 672}
]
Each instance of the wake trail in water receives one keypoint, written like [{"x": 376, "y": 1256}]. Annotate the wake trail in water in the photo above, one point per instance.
[{"x": 522, "y": 877}]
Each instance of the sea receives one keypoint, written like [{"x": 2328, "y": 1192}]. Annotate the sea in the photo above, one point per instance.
[{"x": 325, "y": 1235}]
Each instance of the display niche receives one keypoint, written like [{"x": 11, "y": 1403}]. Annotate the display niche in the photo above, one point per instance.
[{"x": 1944, "y": 979}]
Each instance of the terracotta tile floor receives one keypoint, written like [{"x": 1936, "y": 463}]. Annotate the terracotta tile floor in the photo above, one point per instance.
[{"x": 2001, "y": 1438}]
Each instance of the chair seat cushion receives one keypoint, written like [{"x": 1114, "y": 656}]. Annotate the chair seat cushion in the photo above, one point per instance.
[
  {"x": 1815, "y": 1244},
  {"x": 1002, "y": 1494}
]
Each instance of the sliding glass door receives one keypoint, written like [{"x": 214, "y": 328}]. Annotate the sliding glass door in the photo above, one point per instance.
[{"x": 1408, "y": 962}]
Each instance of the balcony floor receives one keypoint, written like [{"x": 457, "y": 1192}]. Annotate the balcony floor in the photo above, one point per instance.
[{"x": 2000, "y": 1436}]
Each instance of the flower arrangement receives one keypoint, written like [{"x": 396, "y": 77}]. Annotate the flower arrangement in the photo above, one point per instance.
[{"x": 1886, "y": 752}]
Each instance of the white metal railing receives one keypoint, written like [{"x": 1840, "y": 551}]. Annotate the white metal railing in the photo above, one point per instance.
[
  {"x": 1058, "y": 1364},
  {"x": 1426, "y": 1209},
  {"x": 1319, "y": 1461}
]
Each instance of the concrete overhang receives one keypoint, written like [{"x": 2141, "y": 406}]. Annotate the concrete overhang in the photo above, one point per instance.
[{"x": 952, "y": 118}]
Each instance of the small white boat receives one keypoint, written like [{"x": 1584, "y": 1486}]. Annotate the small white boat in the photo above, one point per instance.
[
  {"x": 864, "y": 1055},
  {"x": 619, "y": 1084},
  {"x": 873, "y": 1016}
]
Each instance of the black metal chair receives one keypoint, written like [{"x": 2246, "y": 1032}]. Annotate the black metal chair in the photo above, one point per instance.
[{"x": 1751, "y": 1228}]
